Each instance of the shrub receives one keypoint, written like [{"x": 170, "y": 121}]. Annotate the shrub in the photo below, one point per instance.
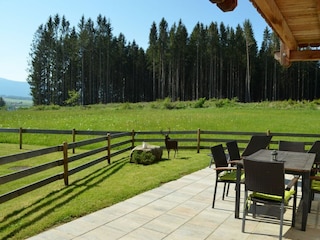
[
  {"x": 141, "y": 157},
  {"x": 2, "y": 102},
  {"x": 200, "y": 103},
  {"x": 74, "y": 98},
  {"x": 167, "y": 103},
  {"x": 126, "y": 106},
  {"x": 219, "y": 103},
  {"x": 47, "y": 107}
]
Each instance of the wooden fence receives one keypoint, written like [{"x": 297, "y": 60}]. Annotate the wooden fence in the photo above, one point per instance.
[
  {"x": 64, "y": 162},
  {"x": 113, "y": 144}
]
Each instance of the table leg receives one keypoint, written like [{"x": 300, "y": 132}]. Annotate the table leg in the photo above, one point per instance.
[
  {"x": 237, "y": 203},
  {"x": 305, "y": 199}
]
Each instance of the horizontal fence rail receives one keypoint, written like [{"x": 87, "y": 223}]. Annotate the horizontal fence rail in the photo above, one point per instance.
[
  {"x": 108, "y": 144},
  {"x": 94, "y": 156}
]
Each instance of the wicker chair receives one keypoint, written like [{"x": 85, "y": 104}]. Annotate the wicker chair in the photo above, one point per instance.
[
  {"x": 224, "y": 172},
  {"x": 256, "y": 143},
  {"x": 233, "y": 150},
  {"x": 234, "y": 155},
  {"x": 291, "y": 146},
  {"x": 266, "y": 183},
  {"x": 315, "y": 148},
  {"x": 315, "y": 180}
]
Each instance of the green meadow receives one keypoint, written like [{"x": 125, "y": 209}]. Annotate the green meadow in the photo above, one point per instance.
[
  {"x": 221, "y": 115},
  {"x": 103, "y": 185}
]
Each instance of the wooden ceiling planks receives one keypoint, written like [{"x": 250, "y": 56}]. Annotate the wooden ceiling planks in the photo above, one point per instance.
[
  {"x": 297, "y": 23},
  {"x": 302, "y": 18}
]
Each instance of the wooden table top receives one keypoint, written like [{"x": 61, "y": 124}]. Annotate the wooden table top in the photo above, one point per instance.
[{"x": 293, "y": 161}]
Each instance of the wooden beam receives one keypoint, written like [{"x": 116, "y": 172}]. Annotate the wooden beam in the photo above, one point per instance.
[
  {"x": 271, "y": 13},
  {"x": 283, "y": 56},
  {"x": 297, "y": 56},
  {"x": 305, "y": 55},
  {"x": 318, "y": 12},
  {"x": 226, "y": 5}
]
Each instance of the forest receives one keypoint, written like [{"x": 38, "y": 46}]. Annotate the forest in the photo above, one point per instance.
[{"x": 87, "y": 64}]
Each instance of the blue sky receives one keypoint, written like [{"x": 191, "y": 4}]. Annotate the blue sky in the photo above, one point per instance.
[{"x": 19, "y": 20}]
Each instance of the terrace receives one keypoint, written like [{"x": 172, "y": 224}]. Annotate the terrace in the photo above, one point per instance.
[{"x": 180, "y": 209}]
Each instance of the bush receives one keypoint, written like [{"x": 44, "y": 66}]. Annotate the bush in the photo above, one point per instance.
[
  {"x": 74, "y": 98},
  {"x": 2, "y": 102},
  {"x": 47, "y": 107},
  {"x": 126, "y": 106},
  {"x": 200, "y": 103},
  {"x": 167, "y": 103},
  {"x": 220, "y": 103},
  {"x": 141, "y": 157}
]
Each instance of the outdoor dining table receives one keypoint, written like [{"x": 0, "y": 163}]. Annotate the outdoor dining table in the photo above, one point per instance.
[{"x": 296, "y": 163}]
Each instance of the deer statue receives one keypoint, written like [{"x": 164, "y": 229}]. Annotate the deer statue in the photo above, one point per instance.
[{"x": 170, "y": 144}]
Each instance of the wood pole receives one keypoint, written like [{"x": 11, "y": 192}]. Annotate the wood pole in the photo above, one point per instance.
[
  {"x": 198, "y": 140},
  {"x": 20, "y": 137},
  {"x": 73, "y": 139},
  {"x": 268, "y": 134},
  {"x": 109, "y": 147},
  {"x": 132, "y": 138},
  {"x": 65, "y": 164}
]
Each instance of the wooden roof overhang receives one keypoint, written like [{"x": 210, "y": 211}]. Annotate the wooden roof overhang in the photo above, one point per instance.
[{"x": 296, "y": 22}]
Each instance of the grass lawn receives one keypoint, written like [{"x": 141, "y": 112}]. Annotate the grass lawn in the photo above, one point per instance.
[
  {"x": 97, "y": 187},
  {"x": 103, "y": 184}
]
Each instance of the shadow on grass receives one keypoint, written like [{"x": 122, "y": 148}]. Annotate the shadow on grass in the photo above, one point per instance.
[{"x": 57, "y": 199}]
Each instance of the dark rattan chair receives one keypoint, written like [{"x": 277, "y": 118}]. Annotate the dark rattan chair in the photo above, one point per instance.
[
  {"x": 315, "y": 148},
  {"x": 256, "y": 143},
  {"x": 266, "y": 183},
  {"x": 234, "y": 155},
  {"x": 291, "y": 146},
  {"x": 233, "y": 150},
  {"x": 315, "y": 180},
  {"x": 224, "y": 172},
  {"x": 315, "y": 187}
]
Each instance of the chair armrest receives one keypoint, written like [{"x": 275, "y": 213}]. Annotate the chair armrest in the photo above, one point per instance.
[
  {"x": 292, "y": 183},
  {"x": 225, "y": 168},
  {"x": 317, "y": 178}
]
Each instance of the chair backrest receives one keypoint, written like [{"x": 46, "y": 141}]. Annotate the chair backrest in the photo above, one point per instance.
[
  {"x": 219, "y": 157},
  {"x": 233, "y": 150},
  {"x": 315, "y": 148},
  {"x": 256, "y": 143},
  {"x": 291, "y": 146},
  {"x": 264, "y": 176}
]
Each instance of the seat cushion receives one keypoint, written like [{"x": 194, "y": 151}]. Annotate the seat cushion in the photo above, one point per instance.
[
  {"x": 315, "y": 185},
  {"x": 230, "y": 176},
  {"x": 287, "y": 196}
]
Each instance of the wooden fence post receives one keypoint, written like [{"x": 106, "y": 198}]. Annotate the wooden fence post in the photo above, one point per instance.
[
  {"x": 20, "y": 137},
  {"x": 132, "y": 138},
  {"x": 65, "y": 164},
  {"x": 268, "y": 134},
  {"x": 73, "y": 139},
  {"x": 109, "y": 146},
  {"x": 198, "y": 141}
]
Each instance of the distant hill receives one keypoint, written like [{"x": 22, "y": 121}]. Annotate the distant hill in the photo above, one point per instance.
[{"x": 9, "y": 88}]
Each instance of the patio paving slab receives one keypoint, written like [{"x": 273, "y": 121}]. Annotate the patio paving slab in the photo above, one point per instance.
[{"x": 180, "y": 209}]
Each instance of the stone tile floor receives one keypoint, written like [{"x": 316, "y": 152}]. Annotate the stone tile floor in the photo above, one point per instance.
[{"x": 178, "y": 210}]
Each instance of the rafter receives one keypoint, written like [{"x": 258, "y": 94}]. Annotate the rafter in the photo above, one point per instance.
[
  {"x": 226, "y": 5},
  {"x": 271, "y": 13},
  {"x": 297, "y": 24}
]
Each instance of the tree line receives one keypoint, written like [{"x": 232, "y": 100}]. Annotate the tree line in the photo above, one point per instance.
[{"x": 89, "y": 65}]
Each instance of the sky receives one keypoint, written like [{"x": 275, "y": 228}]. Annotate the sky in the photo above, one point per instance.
[{"x": 19, "y": 20}]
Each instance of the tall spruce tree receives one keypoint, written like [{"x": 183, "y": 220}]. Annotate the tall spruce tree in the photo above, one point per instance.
[{"x": 214, "y": 61}]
